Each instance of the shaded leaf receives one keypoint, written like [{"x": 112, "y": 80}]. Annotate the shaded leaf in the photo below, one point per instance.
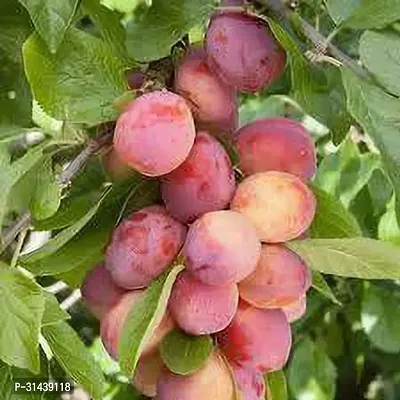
[
  {"x": 276, "y": 386},
  {"x": 319, "y": 284},
  {"x": 53, "y": 314}
]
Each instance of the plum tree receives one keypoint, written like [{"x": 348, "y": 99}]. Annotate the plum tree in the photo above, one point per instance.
[
  {"x": 147, "y": 373},
  {"x": 279, "y": 205},
  {"x": 280, "y": 278},
  {"x": 201, "y": 309},
  {"x": 204, "y": 182},
  {"x": 276, "y": 144},
  {"x": 221, "y": 248},
  {"x": 212, "y": 381},
  {"x": 294, "y": 311},
  {"x": 99, "y": 292},
  {"x": 250, "y": 383},
  {"x": 256, "y": 339},
  {"x": 213, "y": 102},
  {"x": 243, "y": 52},
  {"x": 155, "y": 133},
  {"x": 142, "y": 246},
  {"x": 115, "y": 168},
  {"x": 112, "y": 324}
]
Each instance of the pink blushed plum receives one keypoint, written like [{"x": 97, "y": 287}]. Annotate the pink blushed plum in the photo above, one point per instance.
[{"x": 296, "y": 310}]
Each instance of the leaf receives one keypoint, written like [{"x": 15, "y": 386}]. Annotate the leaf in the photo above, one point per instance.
[
  {"x": 332, "y": 219},
  {"x": 184, "y": 354},
  {"x": 75, "y": 358},
  {"x": 144, "y": 318},
  {"x": 51, "y": 18},
  {"x": 53, "y": 314},
  {"x": 389, "y": 228},
  {"x": 354, "y": 258},
  {"x": 80, "y": 82},
  {"x": 164, "y": 23},
  {"x": 380, "y": 318},
  {"x": 374, "y": 14},
  {"x": 21, "y": 308},
  {"x": 380, "y": 53},
  {"x": 311, "y": 374},
  {"x": 319, "y": 284},
  {"x": 47, "y": 193},
  {"x": 379, "y": 115},
  {"x": 276, "y": 386},
  {"x": 340, "y": 10}
]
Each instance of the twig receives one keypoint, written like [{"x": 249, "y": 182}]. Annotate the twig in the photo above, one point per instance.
[
  {"x": 57, "y": 287},
  {"x": 64, "y": 178},
  {"x": 72, "y": 299},
  {"x": 17, "y": 252}
]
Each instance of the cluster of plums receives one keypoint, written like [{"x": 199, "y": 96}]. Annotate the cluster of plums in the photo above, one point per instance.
[{"x": 241, "y": 284}]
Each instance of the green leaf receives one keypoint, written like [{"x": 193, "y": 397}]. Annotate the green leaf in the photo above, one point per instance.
[
  {"x": 276, "y": 386},
  {"x": 319, "y": 284},
  {"x": 47, "y": 193},
  {"x": 379, "y": 115},
  {"x": 53, "y": 314},
  {"x": 340, "y": 10},
  {"x": 332, "y": 219},
  {"x": 75, "y": 358},
  {"x": 374, "y": 14},
  {"x": 21, "y": 308},
  {"x": 144, "y": 318},
  {"x": 184, "y": 354},
  {"x": 389, "y": 228},
  {"x": 51, "y": 18},
  {"x": 380, "y": 318},
  {"x": 311, "y": 374},
  {"x": 164, "y": 23},
  {"x": 80, "y": 82},
  {"x": 380, "y": 53},
  {"x": 355, "y": 258}
]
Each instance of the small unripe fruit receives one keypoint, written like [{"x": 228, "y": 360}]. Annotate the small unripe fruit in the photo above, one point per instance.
[
  {"x": 213, "y": 381},
  {"x": 135, "y": 78},
  {"x": 201, "y": 309},
  {"x": 280, "y": 278},
  {"x": 242, "y": 50},
  {"x": 296, "y": 310},
  {"x": 276, "y": 144},
  {"x": 99, "y": 292},
  {"x": 221, "y": 248},
  {"x": 147, "y": 373},
  {"x": 213, "y": 102},
  {"x": 205, "y": 182},
  {"x": 113, "y": 321},
  {"x": 142, "y": 246},
  {"x": 155, "y": 133},
  {"x": 279, "y": 205}
]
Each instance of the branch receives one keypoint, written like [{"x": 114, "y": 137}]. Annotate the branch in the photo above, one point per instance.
[{"x": 73, "y": 168}]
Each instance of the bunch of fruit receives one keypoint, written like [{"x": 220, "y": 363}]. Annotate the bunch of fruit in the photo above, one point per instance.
[{"x": 241, "y": 284}]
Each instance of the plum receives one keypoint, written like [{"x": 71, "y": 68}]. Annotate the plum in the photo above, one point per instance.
[
  {"x": 221, "y": 248},
  {"x": 276, "y": 144},
  {"x": 278, "y": 204},
  {"x": 147, "y": 373},
  {"x": 213, "y": 102},
  {"x": 212, "y": 381},
  {"x": 115, "y": 168},
  {"x": 201, "y": 309},
  {"x": 294, "y": 311},
  {"x": 243, "y": 52},
  {"x": 256, "y": 339},
  {"x": 155, "y": 133},
  {"x": 99, "y": 292},
  {"x": 250, "y": 383},
  {"x": 112, "y": 323},
  {"x": 142, "y": 246},
  {"x": 204, "y": 182},
  {"x": 280, "y": 278},
  {"x": 135, "y": 78}
]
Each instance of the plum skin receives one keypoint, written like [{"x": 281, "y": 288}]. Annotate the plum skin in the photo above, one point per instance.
[
  {"x": 250, "y": 383},
  {"x": 212, "y": 381},
  {"x": 256, "y": 339},
  {"x": 201, "y": 309},
  {"x": 243, "y": 52},
  {"x": 276, "y": 144},
  {"x": 296, "y": 310},
  {"x": 279, "y": 205},
  {"x": 112, "y": 324},
  {"x": 280, "y": 278},
  {"x": 205, "y": 181},
  {"x": 155, "y": 133},
  {"x": 221, "y": 248},
  {"x": 213, "y": 102},
  {"x": 142, "y": 246},
  {"x": 99, "y": 291}
]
